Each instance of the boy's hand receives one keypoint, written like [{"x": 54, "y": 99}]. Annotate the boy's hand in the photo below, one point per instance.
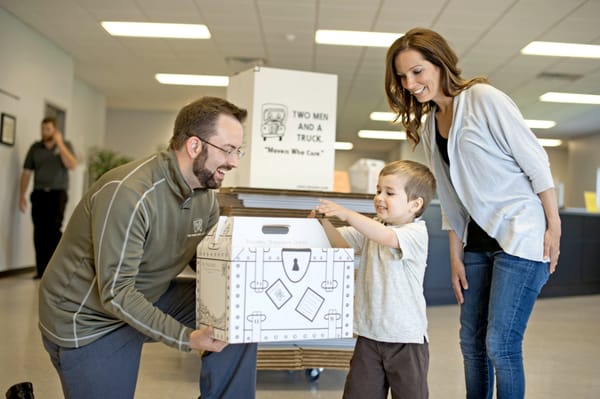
[{"x": 329, "y": 208}]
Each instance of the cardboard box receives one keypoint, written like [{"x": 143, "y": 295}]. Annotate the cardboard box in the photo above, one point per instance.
[
  {"x": 275, "y": 279},
  {"x": 291, "y": 127},
  {"x": 364, "y": 175}
]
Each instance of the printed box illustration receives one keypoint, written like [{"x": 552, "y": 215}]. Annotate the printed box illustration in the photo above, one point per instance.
[
  {"x": 265, "y": 279},
  {"x": 291, "y": 126}
]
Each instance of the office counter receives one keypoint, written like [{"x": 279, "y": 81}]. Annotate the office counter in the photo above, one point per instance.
[{"x": 578, "y": 271}]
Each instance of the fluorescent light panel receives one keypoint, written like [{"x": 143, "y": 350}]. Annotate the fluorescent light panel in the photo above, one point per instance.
[
  {"x": 574, "y": 98},
  {"x": 550, "y": 142},
  {"x": 192, "y": 80},
  {"x": 382, "y": 134},
  {"x": 343, "y": 145},
  {"x": 562, "y": 49},
  {"x": 539, "y": 124},
  {"x": 382, "y": 116},
  {"x": 355, "y": 38},
  {"x": 388, "y": 117},
  {"x": 531, "y": 123},
  {"x": 147, "y": 29}
]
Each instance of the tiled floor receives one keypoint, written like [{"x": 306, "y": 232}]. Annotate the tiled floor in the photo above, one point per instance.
[{"x": 562, "y": 354}]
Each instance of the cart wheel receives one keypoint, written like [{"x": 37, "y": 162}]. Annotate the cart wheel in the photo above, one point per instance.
[{"x": 313, "y": 374}]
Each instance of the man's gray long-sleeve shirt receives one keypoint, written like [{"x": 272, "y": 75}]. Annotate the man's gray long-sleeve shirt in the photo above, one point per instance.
[{"x": 133, "y": 232}]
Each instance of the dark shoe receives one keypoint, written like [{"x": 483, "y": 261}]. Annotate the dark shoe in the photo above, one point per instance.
[
  {"x": 23, "y": 390},
  {"x": 37, "y": 277}
]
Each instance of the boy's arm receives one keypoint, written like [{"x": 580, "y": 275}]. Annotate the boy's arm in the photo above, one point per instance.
[{"x": 370, "y": 228}]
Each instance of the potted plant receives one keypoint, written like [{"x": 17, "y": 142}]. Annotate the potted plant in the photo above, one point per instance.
[{"x": 101, "y": 160}]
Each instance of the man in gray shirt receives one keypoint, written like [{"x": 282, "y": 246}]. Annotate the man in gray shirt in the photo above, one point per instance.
[{"x": 49, "y": 160}]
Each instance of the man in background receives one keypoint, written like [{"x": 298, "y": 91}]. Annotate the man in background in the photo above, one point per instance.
[{"x": 49, "y": 160}]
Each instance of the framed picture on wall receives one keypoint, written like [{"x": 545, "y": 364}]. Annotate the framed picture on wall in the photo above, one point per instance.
[{"x": 8, "y": 128}]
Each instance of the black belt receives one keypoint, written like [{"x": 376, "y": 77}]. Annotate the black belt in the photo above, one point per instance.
[{"x": 48, "y": 190}]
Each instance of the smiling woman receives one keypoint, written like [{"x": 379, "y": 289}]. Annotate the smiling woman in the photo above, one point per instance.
[{"x": 503, "y": 224}]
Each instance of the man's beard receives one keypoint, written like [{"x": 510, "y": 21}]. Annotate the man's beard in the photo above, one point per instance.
[{"x": 204, "y": 176}]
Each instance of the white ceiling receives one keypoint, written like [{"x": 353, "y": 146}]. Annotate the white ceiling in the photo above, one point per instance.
[{"x": 486, "y": 34}]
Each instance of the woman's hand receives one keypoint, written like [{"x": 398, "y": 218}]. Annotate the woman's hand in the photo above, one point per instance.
[
  {"x": 553, "y": 228},
  {"x": 458, "y": 276},
  {"x": 459, "y": 279},
  {"x": 552, "y": 247}
]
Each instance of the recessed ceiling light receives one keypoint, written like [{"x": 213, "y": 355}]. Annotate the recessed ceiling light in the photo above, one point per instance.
[
  {"x": 192, "y": 80},
  {"x": 148, "y": 29},
  {"x": 570, "y": 98},
  {"x": 562, "y": 49},
  {"x": 539, "y": 124},
  {"x": 550, "y": 142},
  {"x": 355, "y": 38},
  {"x": 382, "y": 134},
  {"x": 343, "y": 145}
]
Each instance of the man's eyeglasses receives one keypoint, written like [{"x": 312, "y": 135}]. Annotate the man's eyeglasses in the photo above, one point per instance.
[{"x": 232, "y": 152}]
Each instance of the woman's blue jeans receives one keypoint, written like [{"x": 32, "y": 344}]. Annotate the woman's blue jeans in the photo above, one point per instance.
[{"x": 502, "y": 291}]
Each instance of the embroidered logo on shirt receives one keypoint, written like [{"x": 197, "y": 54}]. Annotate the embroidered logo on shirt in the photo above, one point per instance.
[{"x": 198, "y": 225}]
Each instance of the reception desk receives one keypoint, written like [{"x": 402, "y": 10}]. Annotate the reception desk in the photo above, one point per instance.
[{"x": 578, "y": 271}]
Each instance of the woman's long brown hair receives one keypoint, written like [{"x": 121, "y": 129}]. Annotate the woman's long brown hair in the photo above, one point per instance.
[{"x": 436, "y": 50}]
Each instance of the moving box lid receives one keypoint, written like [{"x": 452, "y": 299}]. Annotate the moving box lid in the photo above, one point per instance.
[{"x": 272, "y": 232}]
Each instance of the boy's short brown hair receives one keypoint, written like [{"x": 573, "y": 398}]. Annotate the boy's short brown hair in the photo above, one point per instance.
[{"x": 419, "y": 180}]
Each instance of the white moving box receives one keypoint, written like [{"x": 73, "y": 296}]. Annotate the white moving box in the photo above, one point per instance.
[
  {"x": 275, "y": 279},
  {"x": 289, "y": 134},
  {"x": 364, "y": 175}
]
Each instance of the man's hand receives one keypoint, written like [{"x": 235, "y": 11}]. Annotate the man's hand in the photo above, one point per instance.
[
  {"x": 68, "y": 159},
  {"x": 23, "y": 204},
  {"x": 58, "y": 138},
  {"x": 203, "y": 340}
]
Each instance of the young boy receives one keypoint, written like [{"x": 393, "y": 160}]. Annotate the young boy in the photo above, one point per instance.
[{"x": 391, "y": 350}]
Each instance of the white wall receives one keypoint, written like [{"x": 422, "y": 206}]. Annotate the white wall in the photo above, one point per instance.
[
  {"x": 86, "y": 124},
  {"x": 345, "y": 159},
  {"x": 35, "y": 72},
  {"x": 559, "y": 162},
  {"x": 137, "y": 133},
  {"x": 584, "y": 160},
  {"x": 398, "y": 150}
]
